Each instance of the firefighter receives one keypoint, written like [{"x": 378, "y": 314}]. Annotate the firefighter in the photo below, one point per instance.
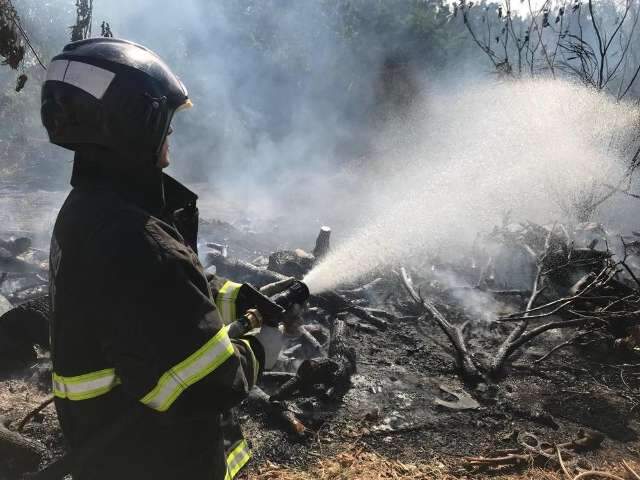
[{"x": 145, "y": 373}]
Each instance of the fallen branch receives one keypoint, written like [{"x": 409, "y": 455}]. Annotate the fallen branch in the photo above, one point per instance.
[
  {"x": 630, "y": 470},
  {"x": 48, "y": 401},
  {"x": 562, "y": 345},
  {"x": 334, "y": 304},
  {"x": 532, "y": 450},
  {"x": 561, "y": 462},
  {"x": 508, "y": 346},
  {"x": 261, "y": 399},
  {"x": 594, "y": 473},
  {"x": 513, "y": 459},
  {"x": 530, "y": 335},
  {"x": 304, "y": 333},
  {"x": 20, "y": 454}
]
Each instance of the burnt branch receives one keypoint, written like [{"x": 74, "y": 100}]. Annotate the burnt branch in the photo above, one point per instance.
[
  {"x": 562, "y": 303},
  {"x": 82, "y": 27},
  {"x": 510, "y": 344},
  {"x": 564, "y": 344},
  {"x": 455, "y": 334}
]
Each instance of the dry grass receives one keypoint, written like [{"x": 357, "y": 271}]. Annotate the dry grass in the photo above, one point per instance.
[
  {"x": 18, "y": 397},
  {"x": 358, "y": 463}
]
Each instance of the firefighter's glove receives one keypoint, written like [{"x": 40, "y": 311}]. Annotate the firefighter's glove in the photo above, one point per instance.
[
  {"x": 277, "y": 287},
  {"x": 271, "y": 340}
]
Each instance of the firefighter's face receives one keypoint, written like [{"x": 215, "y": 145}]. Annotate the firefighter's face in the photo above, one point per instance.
[{"x": 164, "y": 160}]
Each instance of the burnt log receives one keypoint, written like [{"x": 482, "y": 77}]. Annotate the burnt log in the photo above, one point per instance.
[
  {"x": 242, "y": 272},
  {"x": 341, "y": 352},
  {"x": 291, "y": 263},
  {"x": 260, "y": 399},
  {"x": 323, "y": 244},
  {"x": 12, "y": 264},
  {"x": 333, "y": 373},
  {"x": 20, "y": 329},
  {"x": 20, "y": 455},
  {"x": 17, "y": 256},
  {"x": 16, "y": 246},
  {"x": 335, "y": 304}
]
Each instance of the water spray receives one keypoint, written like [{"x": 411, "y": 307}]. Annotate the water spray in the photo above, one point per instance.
[{"x": 468, "y": 159}]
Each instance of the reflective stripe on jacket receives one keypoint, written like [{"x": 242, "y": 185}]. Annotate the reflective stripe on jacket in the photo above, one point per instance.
[{"x": 226, "y": 299}]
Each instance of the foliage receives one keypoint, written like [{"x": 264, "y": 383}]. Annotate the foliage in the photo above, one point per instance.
[{"x": 11, "y": 47}]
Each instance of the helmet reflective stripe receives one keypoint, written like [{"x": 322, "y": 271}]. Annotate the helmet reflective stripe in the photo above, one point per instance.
[
  {"x": 237, "y": 459},
  {"x": 84, "y": 387},
  {"x": 192, "y": 369},
  {"x": 57, "y": 70},
  {"x": 93, "y": 80}
]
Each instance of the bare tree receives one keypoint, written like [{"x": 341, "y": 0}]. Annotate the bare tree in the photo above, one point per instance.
[
  {"x": 82, "y": 28},
  {"x": 591, "y": 42}
]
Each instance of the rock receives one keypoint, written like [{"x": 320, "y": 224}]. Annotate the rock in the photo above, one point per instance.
[{"x": 463, "y": 401}]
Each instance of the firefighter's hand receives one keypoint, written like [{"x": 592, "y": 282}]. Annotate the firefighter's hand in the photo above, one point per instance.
[
  {"x": 254, "y": 317},
  {"x": 271, "y": 340},
  {"x": 277, "y": 287}
]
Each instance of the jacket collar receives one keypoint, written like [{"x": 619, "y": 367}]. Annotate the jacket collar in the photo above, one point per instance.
[{"x": 147, "y": 187}]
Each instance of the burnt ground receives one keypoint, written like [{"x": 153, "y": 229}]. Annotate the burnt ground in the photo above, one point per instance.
[{"x": 391, "y": 406}]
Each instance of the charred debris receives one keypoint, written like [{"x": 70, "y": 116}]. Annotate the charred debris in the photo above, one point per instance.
[{"x": 534, "y": 329}]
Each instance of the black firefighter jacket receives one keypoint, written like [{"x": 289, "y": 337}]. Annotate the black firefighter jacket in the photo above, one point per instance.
[{"x": 144, "y": 371}]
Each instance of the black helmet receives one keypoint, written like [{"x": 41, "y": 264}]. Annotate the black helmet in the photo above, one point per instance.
[{"x": 111, "y": 93}]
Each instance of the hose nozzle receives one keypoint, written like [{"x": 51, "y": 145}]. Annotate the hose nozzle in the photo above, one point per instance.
[{"x": 296, "y": 294}]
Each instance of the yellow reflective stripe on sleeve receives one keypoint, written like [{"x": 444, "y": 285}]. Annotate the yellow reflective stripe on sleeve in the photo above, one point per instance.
[
  {"x": 237, "y": 459},
  {"x": 84, "y": 387},
  {"x": 192, "y": 369},
  {"x": 254, "y": 361},
  {"x": 226, "y": 301}
]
